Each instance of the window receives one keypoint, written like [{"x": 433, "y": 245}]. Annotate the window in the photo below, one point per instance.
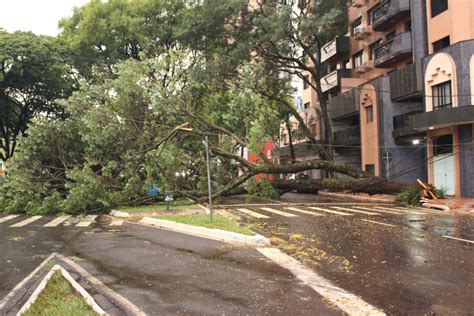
[
  {"x": 408, "y": 26},
  {"x": 369, "y": 114},
  {"x": 313, "y": 128},
  {"x": 306, "y": 82},
  {"x": 372, "y": 48},
  {"x": 346, "y": 64},
  {"x": 370, "y": 169},
  {"x": 307, "y": 105},
  {"x": 356, "y": 26},
  {"x": 357, "y": 59},
  {"x": 333, "y": 66},
  {"x": 438, "y": 6},
  {"x": 390, "y": 35},
  {"x": 443, "y": 145},
  {"x": 440, "y": 44},
  {"x": 442, "y": 97}
]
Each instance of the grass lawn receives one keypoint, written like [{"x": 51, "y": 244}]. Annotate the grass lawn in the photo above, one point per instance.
[
  {"x": 58, "y": 299},
  {"x": 218, "y": 221},
  {"x": 179, "y": 204}
]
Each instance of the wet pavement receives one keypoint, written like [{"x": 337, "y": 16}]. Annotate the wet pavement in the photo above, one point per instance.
[
  {"x": 395, "y": 258},
  {"x": 160, "y": 271}
]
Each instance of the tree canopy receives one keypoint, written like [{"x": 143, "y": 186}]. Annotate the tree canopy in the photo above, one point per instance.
[{"x": 212, "y": 67}]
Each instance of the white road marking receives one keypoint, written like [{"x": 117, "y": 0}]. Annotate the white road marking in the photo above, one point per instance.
[
  {"x": 379, "y": 223},
  {"x": 355, "y": 211},
  {"x": 117, "y": 222},
  {"x": 346, "y": 301},
  {"x": 329, "y": 211},
  {"x": 86, "y": 221},
  {"x": 400, "y": 210},
  {"x": 59, "y": 220},
  {"x": 460, "y": 239},
  {"x": 380, "y": 211},
  {"x": 252, "y": 213},
  {"x": 295, "y": 209},
  {"x": 7, "y": 218},
  {"x": 27, "y": 221},
  {"x": 272, "y": 210}
]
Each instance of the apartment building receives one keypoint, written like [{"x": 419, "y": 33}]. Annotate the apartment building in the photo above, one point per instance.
[{"x": 401, "y": 91}]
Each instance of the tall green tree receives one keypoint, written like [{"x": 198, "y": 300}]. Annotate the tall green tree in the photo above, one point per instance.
[
  {"x": 33, "y": 75},
  {"x": 103, "y": 33}
]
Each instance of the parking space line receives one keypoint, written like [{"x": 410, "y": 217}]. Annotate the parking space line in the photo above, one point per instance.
[
  {"x": 117, "y": 222},
  {"x": 7, "y": 218},
  {"x": 271, "y": 210},
  {"x": 381, "y": 211},
  {"x": 27, "y": 221},
  {"x": 329, "y": 211},
  {"x": 379, "y": 223},
  {"x": 401, "y": 210},
  {"x": 355, "y": 211},
  {"x": 349, "y": 303},
  {"x": 86, "y": 221},
  {"x": 252, "y": 213},
  {"x": 459, "y": 239},
  {"x": 295, "y": 209},
  {"x": 59, "y": 220}
]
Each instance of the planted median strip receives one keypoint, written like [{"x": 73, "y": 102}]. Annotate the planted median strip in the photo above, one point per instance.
[{"x": 220, "y": 228}]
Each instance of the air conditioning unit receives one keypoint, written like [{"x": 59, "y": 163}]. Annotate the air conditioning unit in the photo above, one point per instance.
[
  {"x": 365, "y": 67},
  {"x": 362, "y": 32}
]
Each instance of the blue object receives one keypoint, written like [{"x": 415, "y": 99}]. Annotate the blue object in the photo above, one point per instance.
[{"x": 153, "y": 191}]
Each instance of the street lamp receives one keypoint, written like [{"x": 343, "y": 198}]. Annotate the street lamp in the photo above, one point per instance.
[{"x": 183, "y": 127}]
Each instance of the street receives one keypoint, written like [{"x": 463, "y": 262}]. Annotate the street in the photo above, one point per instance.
[
  {"x": 395, "y": 258},
  {"x": 160, "y": 271}
]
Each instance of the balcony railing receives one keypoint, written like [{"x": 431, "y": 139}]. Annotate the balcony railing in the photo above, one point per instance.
[
  {"x": 343, "y": 105},
  {"x": 337, "y": 47},
  {"x": 444, "y": 117},
  {"x": 393, "y": 50},
  {"x": 348, "y": 136},
  {"x": 406, "y": 83},
  {"x": 333, "y": 80},
  {"x": 388, "y": 12}
]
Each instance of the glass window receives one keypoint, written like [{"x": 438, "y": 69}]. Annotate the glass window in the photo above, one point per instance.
[
  {"x": 440, "y": 44},
  {"x": 370, "y": 169},
  {"x": 372, "y": 48},
  {"x": 442, "y": 97},
  {"x": 438, "y": 6},
  {"x": 357, "y": 59},
  {"x": 307, "y": 105},
  {"x": 443, "y": 145},
  {"x": 306, "y": 82},
  {"x": 356, "y": 26},
  {"x": 369, "y": 113}
]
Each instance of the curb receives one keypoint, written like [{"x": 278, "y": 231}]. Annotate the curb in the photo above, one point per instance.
[
  {"x": 436, "y": 206},
  {"x": 210, "y": 233},
  {"x": 356, "y": 197},
  {"x": 119, "y": 214}
]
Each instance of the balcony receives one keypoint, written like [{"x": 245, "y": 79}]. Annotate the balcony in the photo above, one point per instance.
[
  {"x": 339, "y": 46},
  {"x": 333, "y": 80},
  {"x": 347, "y": 137},
  {"x": 403, "y": 124},
  {"x": 393, "y": 50},
  {"x": 389, "y": 12},
  {"x": 343, "y": 105},
  {"x": 443, "y": 118},
  {"x": 406, "y": 84}
]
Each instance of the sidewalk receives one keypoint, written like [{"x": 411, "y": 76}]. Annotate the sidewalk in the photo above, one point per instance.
[{"x": 463, "y": 205}]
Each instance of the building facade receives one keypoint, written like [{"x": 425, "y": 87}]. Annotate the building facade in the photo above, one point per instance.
[{"x": 400, "y": 86}]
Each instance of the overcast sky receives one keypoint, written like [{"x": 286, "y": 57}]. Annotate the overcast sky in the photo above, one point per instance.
[{"x": 38, "y": 16}]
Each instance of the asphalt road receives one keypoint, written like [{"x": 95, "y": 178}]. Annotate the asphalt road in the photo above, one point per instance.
[
  {"x": 160, "y": 271},
  {"x": 399, "y": 260}
]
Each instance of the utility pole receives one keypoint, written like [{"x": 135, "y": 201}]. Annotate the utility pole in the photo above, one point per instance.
[{"x": 208, "y": 176}]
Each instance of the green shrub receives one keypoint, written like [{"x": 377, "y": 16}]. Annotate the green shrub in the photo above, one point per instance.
[
  {"x": 261, "y": 188},
  {"x": 411, "y": 196},
  {"x": 441, "y": 192}
]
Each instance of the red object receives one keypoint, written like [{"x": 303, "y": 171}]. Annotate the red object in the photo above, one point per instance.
[{"x": 267, "y": 151}]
